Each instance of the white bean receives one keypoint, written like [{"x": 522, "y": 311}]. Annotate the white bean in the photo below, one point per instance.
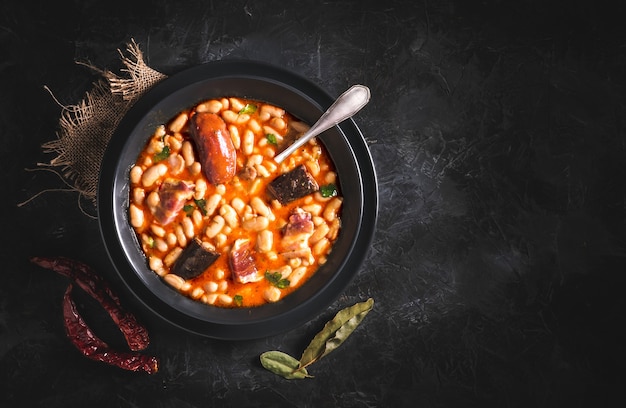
[
  {"x": 272, "y": 294},
  {"x": 135, "y": 174},
  {"x": 147, "y": 240},
  {"x": 174, "y": 143},
  {"x": 187, "y": 153},
  {"x": 272, "y": 110},
  {"x": 265, "y": 241},
  {"x": 320, "y": 246},
  {"x": 160, "y": 244},
  {"x": 188, "y": 227},
  {"x": 152, "y": 174},
  {"x": 314, "y": 209},
  {"x": 234, "y": 136},
  {"x": 319, "y": 233},
  {"x": 278, "y": 123},
  {"x": 238, "y": 204},
  {"x": 180, "y": 235},
  {"x": 138, "y": 195},
  {"x": 225, "y": 299},
  {"x": 177, "y": 282},
  {"x": 258, "y": 223},
  {"x": 247, "y": 142},
  {"x": 216, "y": 225},
  {"x": 197, "y": 217},
  {"x": 213, "y": 106},
  {"x": 177, "y": 124},
  {"x": 210, "y": 287},
  {"x": 136, "y": 216},
  {"x": 330, "y": 212},
  {"x": 221, "y": 239},
  {"x": 197, "y": 293},
  {"x": 159, "y": 132},
  {"x": 171, "y": 239},
  {"x": 212, "y": 203},
  {"x": 176, "y": 164},
  {"x": 230, "y": 215},
  {"x": 296, "y": 275},
  {"x": 195, "y": 168},
  {"x": 236, "y": 104},
  {"x": 254, "y": 126},
  {"x": 222, "y": 286},
  {"x": 268, "y": 130},
  {"x": 200, "y": 189},
  {"x": 172, "y": 256},
  {"x": 229, "y": 116},
  {"x": 334, "y": 229},
  {"x": 156, "y": 265},
  {"x": 157, "y": 230},
  {"x": 269, "y": 152},
  {"x": 261, "y": 170},
  {"x": 242, "y": 118},
  {"x": 258, "y": 205},
  {"x": 210, "y": 298}
]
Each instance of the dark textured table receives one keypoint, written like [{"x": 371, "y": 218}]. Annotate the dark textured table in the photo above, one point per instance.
[{"x": 499, "y": 259}]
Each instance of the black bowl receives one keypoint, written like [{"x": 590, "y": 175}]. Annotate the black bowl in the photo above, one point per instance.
[{"x": 345, "y": 144}]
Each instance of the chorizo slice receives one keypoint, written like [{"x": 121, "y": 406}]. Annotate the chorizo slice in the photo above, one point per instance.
[{"x": 215, "y": 147}]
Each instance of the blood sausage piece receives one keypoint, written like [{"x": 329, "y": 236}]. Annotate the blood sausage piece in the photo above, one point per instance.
[
  {"x": 194, "y": 259},
  {"x": 292, "y": 185}
]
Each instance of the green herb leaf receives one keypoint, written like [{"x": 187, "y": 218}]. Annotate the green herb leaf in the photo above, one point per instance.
[
  {"x": 249, "y": 109},
  {"x": 201, "y": 205},
  {"x": 283, "y": 364},
  {"x": 162, "y": 155},
  {"x": 276, "y": 279},
  {"x": 238, "y": 299},
  {"x": 188, "y": 209},
  {"x": 329, "y": 190},
  {"x": 271, "y": 139},
  {"x": 335, "y": 332}
]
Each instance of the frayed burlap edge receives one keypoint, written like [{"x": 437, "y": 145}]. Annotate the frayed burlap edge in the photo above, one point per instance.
[{"x": 86, "y": 128}]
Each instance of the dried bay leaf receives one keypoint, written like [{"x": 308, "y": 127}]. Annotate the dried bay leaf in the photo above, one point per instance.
[
  {"x": 283, "y": 364},
  {"x": 335, "y": 332}
]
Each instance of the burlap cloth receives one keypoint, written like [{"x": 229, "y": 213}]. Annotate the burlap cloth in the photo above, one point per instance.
[{"x": 86, "y": 128}]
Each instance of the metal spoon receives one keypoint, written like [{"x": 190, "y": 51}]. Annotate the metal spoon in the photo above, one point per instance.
[{"x": 348, "y": 104}]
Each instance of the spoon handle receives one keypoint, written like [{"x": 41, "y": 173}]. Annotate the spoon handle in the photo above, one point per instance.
[{"x": 348, "y": 104}]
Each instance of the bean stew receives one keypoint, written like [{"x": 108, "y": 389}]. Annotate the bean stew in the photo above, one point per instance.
[{"x": 218, "y": 219}]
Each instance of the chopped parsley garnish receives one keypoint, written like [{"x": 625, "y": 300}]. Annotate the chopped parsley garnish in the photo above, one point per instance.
[
  {"x": 150, "y": 242},
  {"x": 271, "y": 138},
  {"x": 328, "y": 190},
  {"x": 248, "y": 109},
  {"x": 238, "y": 300},
  {"x": 276, "y": 279},
  {"x": 162, "y": 155},
  {"x": 188, "y": 209},
  {"x": 201, "y": 205}
]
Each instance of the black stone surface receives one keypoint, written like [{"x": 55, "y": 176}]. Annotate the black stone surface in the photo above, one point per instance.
[{"x": 499, "y": 261}]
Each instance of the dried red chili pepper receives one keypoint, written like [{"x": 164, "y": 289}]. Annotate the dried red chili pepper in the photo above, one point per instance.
[
  {"x": 92, "y": 347},
  {"x": 136, "y": 335}
]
